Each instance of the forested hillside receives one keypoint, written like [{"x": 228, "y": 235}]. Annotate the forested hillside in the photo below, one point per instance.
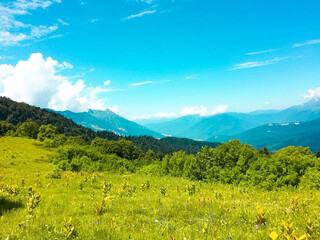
[{"x": 18, "y": 113}]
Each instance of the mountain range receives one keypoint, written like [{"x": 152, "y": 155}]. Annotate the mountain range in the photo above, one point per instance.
[
  {"x": 298, "y": 125},
  {"x": 18, "y": 113},
  {"x": 272, "y": 128},
  {"x": 108, "y": 121}
]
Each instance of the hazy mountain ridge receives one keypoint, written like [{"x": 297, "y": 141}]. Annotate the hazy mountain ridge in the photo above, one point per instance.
[
  {"x": 222, "y": 127},
  {"x": 276, "y": 135},
  {"x": 109, "y": 121}
]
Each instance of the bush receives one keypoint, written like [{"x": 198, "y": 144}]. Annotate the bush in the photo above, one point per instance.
[
  {"x": 6, "y": 127},
  {"x": 28, "y": 129},
  {"x": 310, "y": 180}
]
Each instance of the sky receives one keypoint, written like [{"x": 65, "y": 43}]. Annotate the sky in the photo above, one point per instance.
[{"x": 154, "y": 59}]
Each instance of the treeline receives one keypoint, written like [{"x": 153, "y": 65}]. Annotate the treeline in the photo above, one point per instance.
[
  {"x": 19, "y": 113},
  {"x": 169, "y": 145},
  {"x": 230, "y": 163}
]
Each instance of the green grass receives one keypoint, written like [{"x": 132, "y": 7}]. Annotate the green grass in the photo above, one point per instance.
[{"x": 214, "y": 211}]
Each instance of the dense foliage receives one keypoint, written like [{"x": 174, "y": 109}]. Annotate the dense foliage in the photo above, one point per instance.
[
  {"x": 169, "y": 145},
  {"x": 230, "y": 163}
]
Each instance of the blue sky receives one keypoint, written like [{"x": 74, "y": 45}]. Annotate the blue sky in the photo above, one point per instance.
[{"x": 160, "y": 58}]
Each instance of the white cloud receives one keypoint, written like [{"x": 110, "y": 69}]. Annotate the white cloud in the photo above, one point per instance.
[
  {"x": 106, "y": 83},
  {"x": 93, "y": 20},
  {"x": 116, "y": 110},
  {"x": 7, "y": 38},
  {"x": 56, "y": 36},
  {"x": 140, "y": 14},
  {"x": 267, "y": 102},
  {"x": 63, "y": 22},
  {"x": 261, "y": 52},
  {"x": 141, "y": 83},
  {"x": 65, "y": 65},
  {"x": 310, "y": 42},
  {"x": 33, "y": 4},
  {"x": 165, "y": 115},
  {"x": 36, "y": 82},
  {"x": 146, "y": 1},
  {"x": 189, "y": 110},
  {"x": 257, "y": 64},
  {"x": 13, "y": 31},
  {"x": 312, "y": 94}
]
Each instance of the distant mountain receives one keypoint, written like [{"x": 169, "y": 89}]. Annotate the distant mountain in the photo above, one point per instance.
[
  {"x": 109, "y": 121},
  {"x": 218, "y": 127},
  {"x": 276, "y": 136},
  {"x": 175, "y": 127}
]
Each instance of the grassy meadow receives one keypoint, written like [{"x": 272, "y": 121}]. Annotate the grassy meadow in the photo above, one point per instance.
[{"x": 37, "y": 203}]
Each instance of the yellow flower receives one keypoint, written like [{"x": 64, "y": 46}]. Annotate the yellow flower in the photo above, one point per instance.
[{"x": 273, "y": 235}]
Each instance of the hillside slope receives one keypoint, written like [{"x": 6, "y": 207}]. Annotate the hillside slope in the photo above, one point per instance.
[
  {"x": 17, "y": 113},
  {"x": 108, "y": 121},
  {"x": 276, "y": 136}
]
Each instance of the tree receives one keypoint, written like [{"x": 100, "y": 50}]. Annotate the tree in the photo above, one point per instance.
[
  {"x": 5, "y": 127},
  {"x": 28, "y": 129},
  {"x": 318, "y": 153},
  {"x": 47, "y": 132}
]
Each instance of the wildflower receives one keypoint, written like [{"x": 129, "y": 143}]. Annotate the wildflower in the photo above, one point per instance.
[
  {"x": 156, "y": 220},
  {"x": 256, "y": 226}
]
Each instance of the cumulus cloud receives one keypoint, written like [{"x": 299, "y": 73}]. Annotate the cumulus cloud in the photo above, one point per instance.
[
  {"x": 312, "y": 94},
  {"x": 37, "y": 82},
  {"x": 13, "y": 31},
  {"x": 116, "y": 110},
  {"x": 188, "y": 110}
]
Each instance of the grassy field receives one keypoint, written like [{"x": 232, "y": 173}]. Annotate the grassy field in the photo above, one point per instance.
[{"x": 109, "y": 206}]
